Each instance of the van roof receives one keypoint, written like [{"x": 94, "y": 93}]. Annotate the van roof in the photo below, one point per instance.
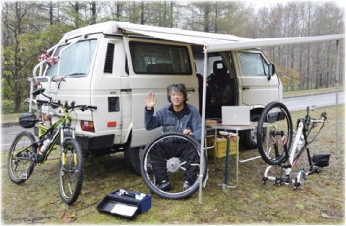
[{"x": 175, "y": 34}]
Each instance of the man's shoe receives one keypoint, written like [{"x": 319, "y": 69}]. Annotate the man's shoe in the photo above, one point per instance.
[
  {"x": 165, "y": 186},
  {"x": 186, "y": 185}
]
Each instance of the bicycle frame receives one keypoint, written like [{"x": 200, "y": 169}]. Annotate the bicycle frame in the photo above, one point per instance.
[
  {"x": 44, "y": 132},
  {"x": 302, "y": 129}
]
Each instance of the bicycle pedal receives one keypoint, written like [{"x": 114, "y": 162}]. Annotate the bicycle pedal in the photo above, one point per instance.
[{"x": 23, "y": 176}]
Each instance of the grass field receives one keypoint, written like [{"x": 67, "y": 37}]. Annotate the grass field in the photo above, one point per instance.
[
  {"x": 313, "y": 91},
  {"x": 251, "y": 202}
]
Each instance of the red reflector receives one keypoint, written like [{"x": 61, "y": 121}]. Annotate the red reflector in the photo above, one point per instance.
[
  {"x": 111, "y": 124},
  {"x": 87, "y": 126}
]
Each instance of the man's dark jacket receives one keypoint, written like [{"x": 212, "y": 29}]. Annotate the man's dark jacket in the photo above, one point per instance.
[{"x": 165, "y": 117}]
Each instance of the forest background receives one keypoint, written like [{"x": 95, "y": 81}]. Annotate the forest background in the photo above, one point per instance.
[{"x": 29, "y": 27}]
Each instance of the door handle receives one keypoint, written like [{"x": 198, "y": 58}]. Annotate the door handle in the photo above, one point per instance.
[
  {"x": 190, "y": 90},
  {"x": 246, "y": 88}
]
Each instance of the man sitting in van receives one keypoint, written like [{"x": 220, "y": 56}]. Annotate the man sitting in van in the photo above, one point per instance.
[{"x": 180, "y": 117}]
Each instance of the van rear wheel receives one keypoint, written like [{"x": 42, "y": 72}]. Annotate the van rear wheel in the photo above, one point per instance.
[
  {"x": 132, "y": 159},
  {"x": 250, "y": 139}
]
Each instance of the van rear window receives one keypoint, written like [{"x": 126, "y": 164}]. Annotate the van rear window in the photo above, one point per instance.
[
  {"x": 75, "y": 61},
  {"x": 151, "y": 58}
]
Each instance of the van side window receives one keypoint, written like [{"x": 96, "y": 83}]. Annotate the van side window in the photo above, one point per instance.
[
  {"x": 75, "y": 61},
  {"x": 151, "y": 58},
  {"x": 252, "y": 64}
]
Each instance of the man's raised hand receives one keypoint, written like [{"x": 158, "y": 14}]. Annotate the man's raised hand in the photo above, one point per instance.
[{"x": 151, "y": 101}]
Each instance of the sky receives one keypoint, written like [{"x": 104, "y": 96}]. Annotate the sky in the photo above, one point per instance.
[{"x": 267, "y": 3}]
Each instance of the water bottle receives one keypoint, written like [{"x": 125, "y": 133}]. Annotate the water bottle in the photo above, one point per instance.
[
  {"x": 300, "y": 143},
  {"x": 45, "y": 146}
]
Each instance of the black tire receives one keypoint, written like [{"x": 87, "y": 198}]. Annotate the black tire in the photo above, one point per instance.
[
  {"x": 174, "y": 165},
  {"x": 17, "y": 168},
  {"x": 132, "y": 160},
  {"x": 250, "y": 139},
  {"x": 279, "y": 119},
  {"x": 71, "y": 179}
]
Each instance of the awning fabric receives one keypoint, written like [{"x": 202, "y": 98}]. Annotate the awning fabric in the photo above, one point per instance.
[{"x": 216, "y": 42}]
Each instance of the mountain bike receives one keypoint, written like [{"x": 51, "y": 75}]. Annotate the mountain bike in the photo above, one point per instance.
[
  {"x": 274, "y": 118},
  {"x": 25, "y": 153}
]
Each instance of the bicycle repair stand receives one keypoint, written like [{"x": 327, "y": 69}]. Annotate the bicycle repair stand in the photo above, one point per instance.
[{"x": 320, "y": 160}]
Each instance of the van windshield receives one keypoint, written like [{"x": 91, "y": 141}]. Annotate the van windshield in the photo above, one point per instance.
[
  {"x": 151, "y": 58},
  {"x": 75, "y": 61}
]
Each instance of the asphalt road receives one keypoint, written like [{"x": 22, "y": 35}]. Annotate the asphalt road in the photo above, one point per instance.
[
  {"x": 321, "y": 100},
  {"x": 9, "y": 133},
  {"x": 293, "y": 104}
]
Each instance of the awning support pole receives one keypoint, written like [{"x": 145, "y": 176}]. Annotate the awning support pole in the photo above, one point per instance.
[
  {"x": 337, "y": 98},
  {"x": 203, "y": 123}
]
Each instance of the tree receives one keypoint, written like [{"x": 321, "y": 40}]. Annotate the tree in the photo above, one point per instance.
[
  {"x": 288, "y": 76},
  {"x": 22, "y": 40}
]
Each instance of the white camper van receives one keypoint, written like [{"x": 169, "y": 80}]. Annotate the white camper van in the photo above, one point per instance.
[{"x": 113, "y": 65}]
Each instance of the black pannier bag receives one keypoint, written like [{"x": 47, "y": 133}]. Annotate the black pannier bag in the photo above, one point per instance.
[
  {"x": 275, "y": 116},
  {"x": 27, "y": 120},
  {"x": 320, "y": 160}
]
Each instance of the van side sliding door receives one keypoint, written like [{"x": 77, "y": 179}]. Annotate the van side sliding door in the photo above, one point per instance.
[{"x": 153, "y": 65}]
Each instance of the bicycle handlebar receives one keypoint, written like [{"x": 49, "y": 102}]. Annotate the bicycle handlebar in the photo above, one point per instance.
[{"x": 56, "y": 104}]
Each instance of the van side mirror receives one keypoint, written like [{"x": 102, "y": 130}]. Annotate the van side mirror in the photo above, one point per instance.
[{"x": 271, "y": 71}]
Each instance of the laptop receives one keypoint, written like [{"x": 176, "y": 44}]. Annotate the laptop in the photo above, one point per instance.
[{"x": 235, "y": 115}]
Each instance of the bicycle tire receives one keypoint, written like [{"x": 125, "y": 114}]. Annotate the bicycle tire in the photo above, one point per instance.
[
  {"x": 285, "y": 125},
  {"x": 72, "y": 176},
  {"x": 177, "y": 178},
  {"x": 22, "y": 140}
]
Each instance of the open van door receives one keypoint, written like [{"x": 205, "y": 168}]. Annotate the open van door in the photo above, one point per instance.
[{"x": 260, "y": 85}]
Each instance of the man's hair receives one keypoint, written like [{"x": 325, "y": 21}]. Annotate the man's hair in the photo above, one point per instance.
[{"x": 176, "y": 88}]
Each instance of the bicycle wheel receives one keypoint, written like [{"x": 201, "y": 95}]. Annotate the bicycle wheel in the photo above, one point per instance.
[
  {"x": 70, "y": 174},
  {"x": 19, "y": 167},
  {"x": 170, "y": 165},
  {"x": 273, "y": 131}
]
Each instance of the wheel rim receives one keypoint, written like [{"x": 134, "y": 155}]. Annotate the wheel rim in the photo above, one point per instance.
[
  {"x": 276, "y": 126},
  {"x": 253, "y": 134},
  {"x": 173, "y": 163},
  {"x": 19, "y": 168},
  {"x": 69, "y": 177}
]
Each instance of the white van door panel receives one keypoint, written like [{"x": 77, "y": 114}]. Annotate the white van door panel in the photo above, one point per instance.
[
  {"x": 255, "y": 87},
  {"x": 106, "y": 88},
  {"x": 141, "y": 84}
]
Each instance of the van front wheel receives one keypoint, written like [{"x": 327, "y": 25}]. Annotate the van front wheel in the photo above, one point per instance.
[
  {"x": 250, "y": 139},
  {"x": 132, "y": 159}
]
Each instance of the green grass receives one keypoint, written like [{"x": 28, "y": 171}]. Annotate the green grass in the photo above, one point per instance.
[
  {"x": 250, "y": 203},
  {"x": 10, "y": 117},
  {"x": 313, "y": 91}
]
